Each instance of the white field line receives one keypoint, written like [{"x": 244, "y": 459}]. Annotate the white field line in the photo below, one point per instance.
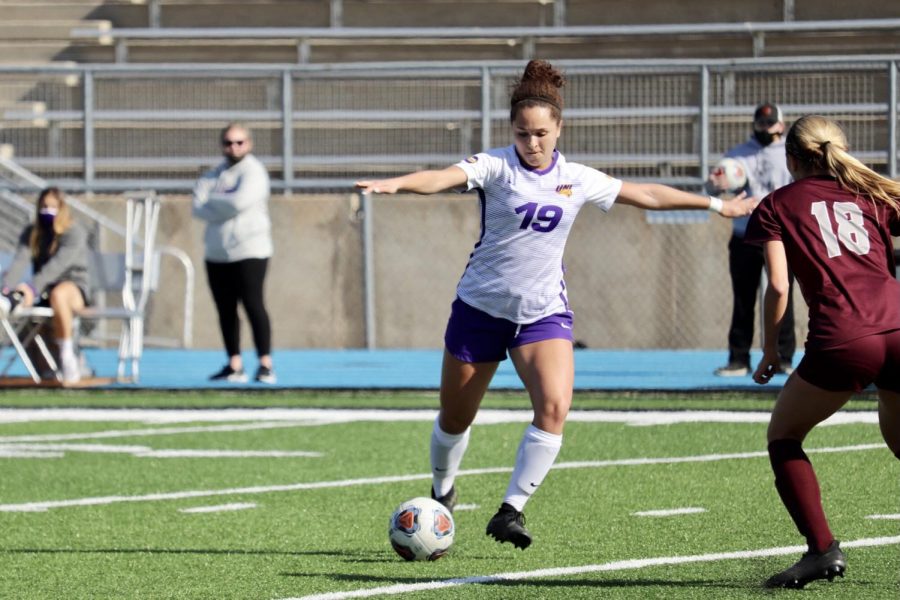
[
  {"x": 312, "y": 416},
  {"x": 671, "y": 512},
  {"x": 219, "y": 508},
  {"x": 145, "y": 452},
  {"x": 104, "y": 500},
  {"x": 119, "y": 433},
  {"x": 885, "y": 517},
  {"x": 619, "y": 565}
]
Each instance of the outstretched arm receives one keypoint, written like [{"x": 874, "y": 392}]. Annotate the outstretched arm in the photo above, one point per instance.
[
  {"x": 655, "y": 196},
  {"x": 420, "y": 182}
]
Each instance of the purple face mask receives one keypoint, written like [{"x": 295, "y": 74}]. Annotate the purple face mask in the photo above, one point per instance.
[{"x": 46, "y": 216}]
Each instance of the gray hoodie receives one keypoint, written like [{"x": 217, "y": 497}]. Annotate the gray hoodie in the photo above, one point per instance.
[
  {"x": 234, "y": 202},
  {"x": 68, "y": 263}
]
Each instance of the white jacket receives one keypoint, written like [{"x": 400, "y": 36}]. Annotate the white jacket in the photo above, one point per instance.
[{"x": 234, "y": 202}]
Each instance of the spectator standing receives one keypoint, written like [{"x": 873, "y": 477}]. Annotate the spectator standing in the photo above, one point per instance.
[
  {"x": 56, "y": 248},
  {"x": 512, "y": 296},
  {"x": 233, "y": 200},
  {"x": 763, "y": 159},
  {"x": 833, "y": 229}
]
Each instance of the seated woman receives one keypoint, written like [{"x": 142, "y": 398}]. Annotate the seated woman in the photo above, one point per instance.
[{"x": 57, "y": 248}]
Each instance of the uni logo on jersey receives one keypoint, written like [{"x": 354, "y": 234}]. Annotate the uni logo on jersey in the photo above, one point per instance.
[
  {"x": 472, "y": 159},
  {"x": 564, "y": 189}
]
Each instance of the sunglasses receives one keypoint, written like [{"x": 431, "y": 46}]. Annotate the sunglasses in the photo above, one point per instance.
[{"x": 228, "y": 143}]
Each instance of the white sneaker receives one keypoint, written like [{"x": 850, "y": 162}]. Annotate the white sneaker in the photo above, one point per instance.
[
  {"x": 71, "y": 370},
  {"x": 5, "y": 307}
]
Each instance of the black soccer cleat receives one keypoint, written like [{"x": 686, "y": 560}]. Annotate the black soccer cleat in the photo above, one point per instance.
[
  {"x": 448, "y": 500},
  {"x": 508, "y": 525},
  {"x": 812, "y": 566}
]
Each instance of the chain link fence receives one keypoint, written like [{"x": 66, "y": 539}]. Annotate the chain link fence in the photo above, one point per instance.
[{"x": 636, "y": 280}]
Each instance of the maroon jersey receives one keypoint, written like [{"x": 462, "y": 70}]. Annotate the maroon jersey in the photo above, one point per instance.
[{"x": 839, "y": 248}]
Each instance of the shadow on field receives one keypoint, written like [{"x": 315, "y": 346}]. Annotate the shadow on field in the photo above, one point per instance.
[
  {"x": 236, "y": 551},
  {"x": 551, "y": 583}
]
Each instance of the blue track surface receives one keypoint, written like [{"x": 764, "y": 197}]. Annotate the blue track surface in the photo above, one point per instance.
[{"x": 420, "y": 369}]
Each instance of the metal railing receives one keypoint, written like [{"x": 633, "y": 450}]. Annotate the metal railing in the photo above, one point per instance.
[
  {"x": 120, "y": 127},
  {"x": 527, "y": 39}
]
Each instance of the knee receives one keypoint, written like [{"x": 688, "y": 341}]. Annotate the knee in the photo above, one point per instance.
[
  {"x": 453, "y": 424},
  {"x": 551, "y": 413}
]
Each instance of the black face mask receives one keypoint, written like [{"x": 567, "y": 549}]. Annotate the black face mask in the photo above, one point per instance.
[{"x": 764, "y": 137}]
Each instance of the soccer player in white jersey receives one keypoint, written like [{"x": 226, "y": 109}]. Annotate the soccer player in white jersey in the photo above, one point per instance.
[{"x": 512, "y": 297}]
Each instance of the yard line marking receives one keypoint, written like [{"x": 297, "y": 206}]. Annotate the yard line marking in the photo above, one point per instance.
[
  {"x": 13, "y": 453},
  {"x": 58, "y": 450},
  {"x": 619, "y": 565},
  {"x": 292, "y": 487},
  {"x": 669, "y": 512},
  {"x": 218, "y": 508},
  {"x": 885, "y": 517},
  {"x": 97, "y": 435},
  {"x": 319, "y": 416}
]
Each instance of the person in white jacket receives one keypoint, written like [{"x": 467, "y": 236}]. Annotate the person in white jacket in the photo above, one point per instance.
[{"x": 233, "y": 200}]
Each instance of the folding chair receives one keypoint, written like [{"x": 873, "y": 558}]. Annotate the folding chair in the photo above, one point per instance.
[
  {"x": 135, "y": 273},
  {"x": 23, "y": 328}
]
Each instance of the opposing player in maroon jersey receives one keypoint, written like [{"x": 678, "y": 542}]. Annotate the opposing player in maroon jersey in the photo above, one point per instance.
[{"x": 833, "y": 228}]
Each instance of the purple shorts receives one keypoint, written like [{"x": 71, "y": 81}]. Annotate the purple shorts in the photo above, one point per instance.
[
  {"x": 474, "y": 336},
  {"x": 856, "y": 364}
]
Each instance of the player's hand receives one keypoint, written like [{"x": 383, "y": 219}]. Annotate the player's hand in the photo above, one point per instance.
[
  {"x": 381, "y": 186},
  {"x": 27, "y": 294},
  {"x": 766, "y": 368},
  {"x": 739, "y": 206}
]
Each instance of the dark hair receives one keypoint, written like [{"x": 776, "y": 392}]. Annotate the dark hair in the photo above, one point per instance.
[
  {"x": 539, "y": 86},
  {"x": 62, "y": 222},
  {"x": 819, "y": 144}
]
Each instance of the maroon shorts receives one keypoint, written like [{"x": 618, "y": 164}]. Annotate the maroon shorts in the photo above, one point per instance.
[
  {"x": 475, "y": 336},
  {"x": 855, "y": 365}
]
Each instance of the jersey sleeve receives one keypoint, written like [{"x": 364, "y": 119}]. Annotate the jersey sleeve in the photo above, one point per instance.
[
  {"x": 763, "y": 225},
  {"x": 480, "y": 169},
  {"x": 599, "y": 188}
]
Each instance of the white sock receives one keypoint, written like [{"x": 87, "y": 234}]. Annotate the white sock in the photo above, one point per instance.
[
  {"x": 447, "y": 451},
  {"x": 66, "y": 348},
  {"x": 70, "y": 368},
  {"x": 537, "y": 453}
]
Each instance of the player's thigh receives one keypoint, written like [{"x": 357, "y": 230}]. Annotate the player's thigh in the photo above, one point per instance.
[
  {"x": 801, "y": 406},
  {"x": 463, "y": 385},
  {"x": 889, "y": 418},
  {"x": 888, "y": 383},
  {"x": 66, "y": 294},
  {"x": 547, "y": 368}
]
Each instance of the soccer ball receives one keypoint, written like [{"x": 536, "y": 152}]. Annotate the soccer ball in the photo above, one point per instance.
[
  {"x": 421, "y": 529},
  {"x": 728, "y": 175}
]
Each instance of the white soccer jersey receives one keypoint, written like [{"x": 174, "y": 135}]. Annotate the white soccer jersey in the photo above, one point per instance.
[{"x": 515, "y": 271}]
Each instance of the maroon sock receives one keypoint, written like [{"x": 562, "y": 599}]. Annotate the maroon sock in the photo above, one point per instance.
[{"x": 798, "y": 487}]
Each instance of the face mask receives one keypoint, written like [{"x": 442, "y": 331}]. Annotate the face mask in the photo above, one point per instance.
[
  {"x": 46, "y": 216},
  {"x": 764, "y": 137}
]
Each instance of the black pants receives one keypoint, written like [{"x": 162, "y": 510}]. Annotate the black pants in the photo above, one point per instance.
[
  {"x": 241, "y": 281},
  {"x": 746, "y": 263}
]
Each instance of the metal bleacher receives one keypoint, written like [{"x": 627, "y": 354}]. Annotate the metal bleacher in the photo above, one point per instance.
[{"x": 652, "y": 93}]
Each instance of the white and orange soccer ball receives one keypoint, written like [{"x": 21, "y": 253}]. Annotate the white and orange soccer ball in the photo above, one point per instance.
[
  {"x": 421, "y": 529},
  {"x": 728, "y": 175}
]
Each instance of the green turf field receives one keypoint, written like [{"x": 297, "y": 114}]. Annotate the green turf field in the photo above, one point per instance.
[{"x": 163, "y": 504}]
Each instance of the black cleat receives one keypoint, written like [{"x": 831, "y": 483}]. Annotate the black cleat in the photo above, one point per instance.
[
  {"x": 508, "y": 525},
  {"x": 812, "y": 566},
  {"x": 448, "y": 500}
]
